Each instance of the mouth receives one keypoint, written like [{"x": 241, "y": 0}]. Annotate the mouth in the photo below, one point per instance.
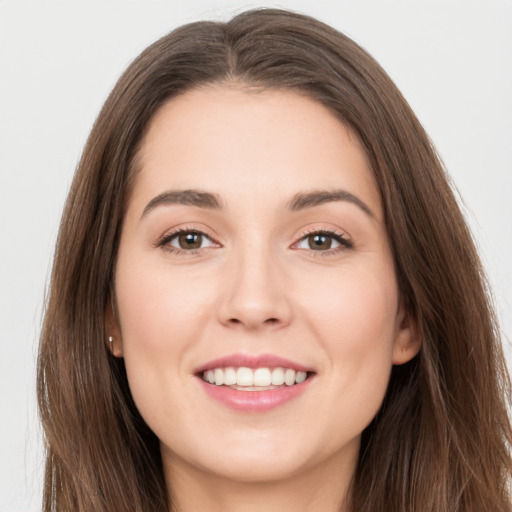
[
  {"x": 248, "y": 383},
  {"x": 254, "y": 379}
]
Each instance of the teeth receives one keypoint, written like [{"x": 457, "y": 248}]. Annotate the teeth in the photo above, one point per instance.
[
  {"x": 289, "y": 377},
  {"x": 219, "y": 376},
  {"x": 277, "y": 376},
  {"x": 300, "y": 377},
  {"x": 249, "y": 378},
  {"x": 229, "y": 376},
  {"x": 244, "y": 377},
  {"x": 262, "y": 377}
]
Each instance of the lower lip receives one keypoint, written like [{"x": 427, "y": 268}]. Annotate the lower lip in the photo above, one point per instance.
[{"x": 254, "y": 401}]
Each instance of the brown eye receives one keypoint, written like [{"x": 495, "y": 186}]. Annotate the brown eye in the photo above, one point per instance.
[
  {"x": 187, "y": 241},
  {"x": 324, "y": 241},
  {"x": 319, "y": 242},
  {"x": 190, "y": 240}
]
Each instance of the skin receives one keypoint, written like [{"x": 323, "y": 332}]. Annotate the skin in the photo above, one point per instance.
[{"x": 256, "y": 286}]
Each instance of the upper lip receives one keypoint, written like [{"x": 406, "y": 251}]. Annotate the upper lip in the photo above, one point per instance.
[{"x": 252, "y": 361}]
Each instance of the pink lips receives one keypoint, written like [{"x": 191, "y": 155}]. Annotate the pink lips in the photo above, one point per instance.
[{"x": 253, "y": 401}]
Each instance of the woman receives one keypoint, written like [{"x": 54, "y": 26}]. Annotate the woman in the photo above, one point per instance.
[{"x": 264, "y": 294}]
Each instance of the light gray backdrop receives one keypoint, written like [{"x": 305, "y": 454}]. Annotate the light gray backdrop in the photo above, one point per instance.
[{"x": 58, "y": 61}]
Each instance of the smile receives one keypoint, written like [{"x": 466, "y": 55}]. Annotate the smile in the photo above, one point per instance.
[
  {"x": 249, "y": 383},
  {"x": 259, "y": 379}
]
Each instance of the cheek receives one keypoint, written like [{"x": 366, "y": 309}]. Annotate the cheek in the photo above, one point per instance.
[
  {"x": 157, "y": 306},
  {"x": 159, "y": 314},
  {"x": 356, "y": 325},
  {"x": 355, "y": 309}
]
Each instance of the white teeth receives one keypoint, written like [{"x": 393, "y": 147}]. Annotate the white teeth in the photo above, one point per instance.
[
  {"x": 257, "y": 378},
  {"x": 300, "y": 377},
  {"x": 244, "y": 377},
  {"x": 289, "y": 377},
  {"x": 262, "y": 377},
  {"x": 229, "y": 376},
  {"x": 219, "y": 376},
  {"x": 277, "y": 376}
]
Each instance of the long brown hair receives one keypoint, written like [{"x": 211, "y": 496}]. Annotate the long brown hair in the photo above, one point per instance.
[{"x": 441, "y": 440}]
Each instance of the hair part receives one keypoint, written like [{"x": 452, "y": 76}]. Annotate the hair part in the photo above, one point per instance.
[{"x": 442, "y": 437}]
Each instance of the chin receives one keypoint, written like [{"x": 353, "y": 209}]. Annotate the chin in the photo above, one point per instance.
[
  {"x": 255, "y": 468},
  {"x": 252, "y": 461}
]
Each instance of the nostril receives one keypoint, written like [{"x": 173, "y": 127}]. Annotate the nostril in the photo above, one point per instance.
[
  {"x": 268, "y": 320},
  {"x": 253, "y": 321}
]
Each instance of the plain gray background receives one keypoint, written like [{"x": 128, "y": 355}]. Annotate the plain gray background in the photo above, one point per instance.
[{"x": 58, "y": 61}]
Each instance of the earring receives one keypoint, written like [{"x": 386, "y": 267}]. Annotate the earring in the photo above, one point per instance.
[{"x": 110, "y": 340}]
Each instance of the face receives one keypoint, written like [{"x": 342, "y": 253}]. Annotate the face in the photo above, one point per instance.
[{"x": 254, "y": 251}]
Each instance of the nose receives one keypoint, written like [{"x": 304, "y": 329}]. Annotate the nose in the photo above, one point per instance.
[{"x": 254, "y": 294}]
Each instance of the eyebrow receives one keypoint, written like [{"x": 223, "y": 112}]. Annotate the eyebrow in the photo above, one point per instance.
[
  {"x": 190, "y": 197},
  {"x": 300, "y": 201},
  {"x": 304, "y": 200}
]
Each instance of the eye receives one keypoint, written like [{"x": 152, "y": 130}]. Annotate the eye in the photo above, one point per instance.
[
  {"x": 190, "y": 240},
  {"x": 323, "y": 241},
  {"x": 186, "y": 240}
]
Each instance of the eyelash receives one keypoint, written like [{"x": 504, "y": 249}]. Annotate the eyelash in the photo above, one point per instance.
[
  {"x": 339, "y": 237},
  {"x": 166, "y": 239},
  {"x": 345, "y": 243}
]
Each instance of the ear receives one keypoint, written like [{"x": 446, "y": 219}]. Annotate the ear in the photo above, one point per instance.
[
  {"x": 113, "y": 339},
  {"x": 407, "y": 340}
]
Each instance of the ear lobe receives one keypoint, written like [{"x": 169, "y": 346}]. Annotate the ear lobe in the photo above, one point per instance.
[
  {"x": 113, "y": 332},
  {"x": 407, "y": 342}
]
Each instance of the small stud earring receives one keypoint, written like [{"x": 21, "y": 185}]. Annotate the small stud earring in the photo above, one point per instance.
[{"x": 110, "y": 340}]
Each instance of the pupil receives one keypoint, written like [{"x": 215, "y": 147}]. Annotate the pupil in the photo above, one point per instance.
[
  {"x": 190, "y": 241},
  {"x": 319, "y": 242}
]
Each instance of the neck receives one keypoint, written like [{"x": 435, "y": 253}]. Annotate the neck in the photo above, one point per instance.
[{"x": 323, "y": 487}]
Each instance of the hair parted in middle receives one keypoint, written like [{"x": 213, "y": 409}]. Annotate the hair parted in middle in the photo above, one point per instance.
[{"x": 440, "y": 441}]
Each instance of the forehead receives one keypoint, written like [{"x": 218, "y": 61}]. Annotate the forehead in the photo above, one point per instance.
[{"x": 244, "y": 144}]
